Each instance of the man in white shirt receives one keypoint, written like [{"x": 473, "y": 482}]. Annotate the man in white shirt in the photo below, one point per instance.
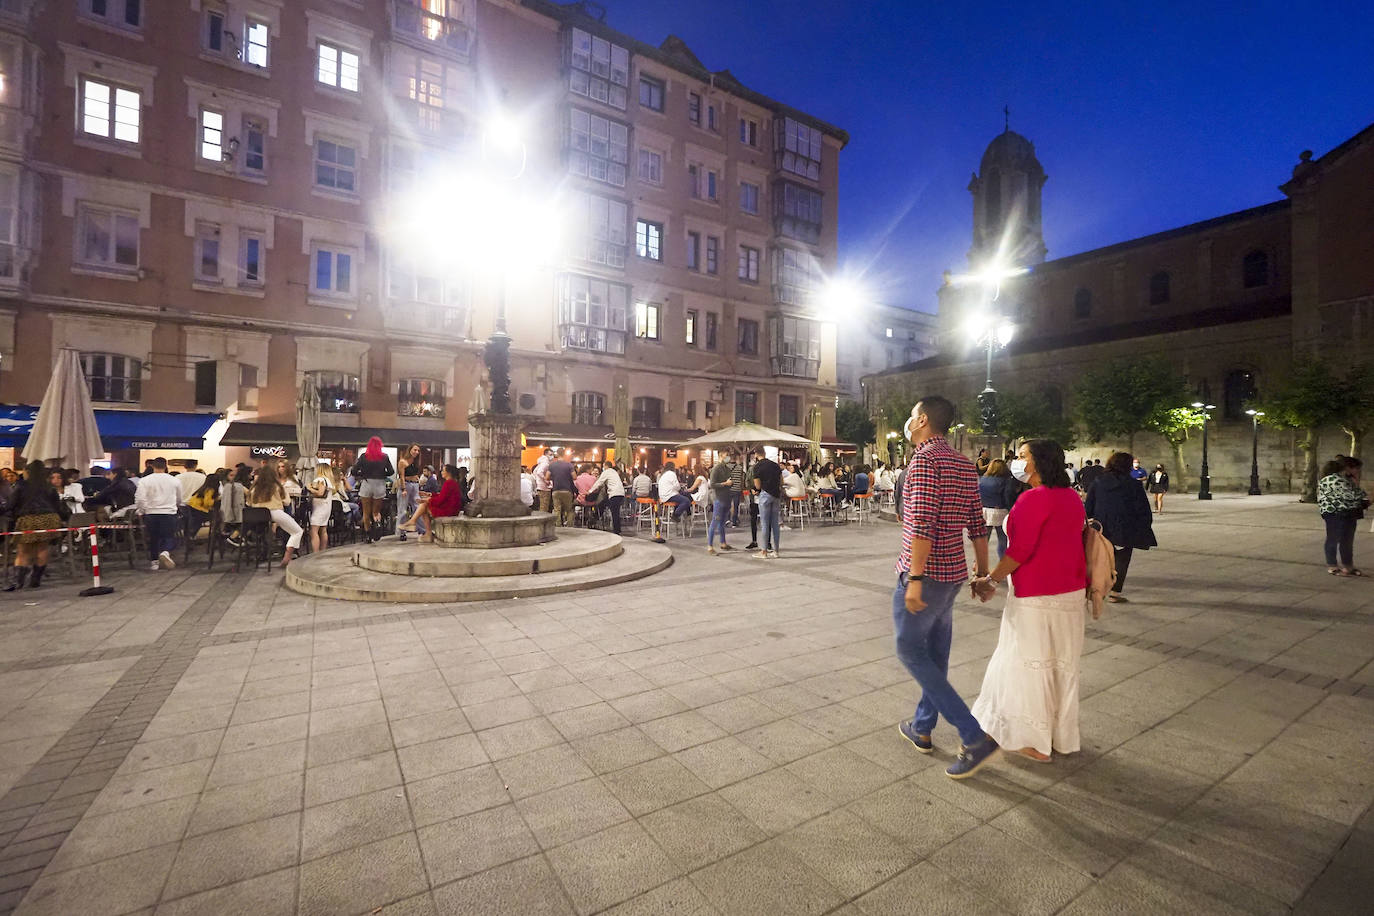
[
  {"x": 191, "y": 480},
  {"x": 527, "y": 486},
  {"x": 543, "y": 482},
  {"x": 643, "y": 485},
  {"x": 615, "y": 493},
  {"x": 158, "y": 498},
  {"x": 670, "y": 491}
]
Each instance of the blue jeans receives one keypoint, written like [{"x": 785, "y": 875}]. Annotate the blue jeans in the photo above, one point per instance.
[
  {"x": 162, "y": 534},
  {"x": 681, "y": 503},
  {"x": 735, "y": 497},
  {"x": 719, "y": 509},
  {"x": 923, "y": 641},
  {"x": 1001, "y": 540},
  {"x": 770, "y": 517}
]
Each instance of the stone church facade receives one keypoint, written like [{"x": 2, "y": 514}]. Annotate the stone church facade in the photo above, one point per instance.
[{"x": 1232, "y": 302}]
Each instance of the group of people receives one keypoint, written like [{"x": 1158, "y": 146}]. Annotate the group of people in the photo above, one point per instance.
[{"x": 1029, "y": 697}]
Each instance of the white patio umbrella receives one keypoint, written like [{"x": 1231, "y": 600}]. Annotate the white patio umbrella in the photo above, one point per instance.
[
  {"x": 744, "y": 435},
  {"x": 64, "y": 430},
  {"x": 307, "y": 428}
]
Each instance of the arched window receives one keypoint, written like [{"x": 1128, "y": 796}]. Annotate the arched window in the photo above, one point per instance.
[
  {"x": 113, "y": 377},
  {"x": 340, "y": 392},
  {"x": 589, "y": 408},
  {"x": 1159, "y": 287},
  {"x": 1255, "y": 269},
  {"x": 1082, "y": 303},
  {"x": 1240, "y": 389},
  {"x": 646, "y": 412}
]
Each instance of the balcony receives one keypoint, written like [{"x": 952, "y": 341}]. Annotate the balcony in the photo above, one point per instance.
[
  {"x": 428, "y": 23},
  {"x": 789, "y": 294},
  {"x": 432, "y": 406},
  {"x": 411, "y": 317}
]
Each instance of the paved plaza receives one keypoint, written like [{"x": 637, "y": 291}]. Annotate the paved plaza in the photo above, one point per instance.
[{"x": 718, "y": 738}]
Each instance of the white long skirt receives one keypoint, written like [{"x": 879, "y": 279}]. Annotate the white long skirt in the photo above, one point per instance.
[{"x": 1030, "y": 691}]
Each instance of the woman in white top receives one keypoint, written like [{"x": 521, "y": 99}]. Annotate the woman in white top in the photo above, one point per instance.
[
  {"x": 289, "y": 484},
  {"x": 268, "y": 493},
  {"x": 71, "y": 492},
  {"x": 700, "y": 491},
  {"x": 324, "y": 492},
  {"x": 792, "y": 484}
]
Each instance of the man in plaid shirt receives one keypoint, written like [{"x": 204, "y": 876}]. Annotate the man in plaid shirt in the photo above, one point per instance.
[{"x": 939, "y": 503}]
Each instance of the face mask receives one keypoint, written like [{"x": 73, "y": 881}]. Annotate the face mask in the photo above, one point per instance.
[{"x": 1018, "y": 470}]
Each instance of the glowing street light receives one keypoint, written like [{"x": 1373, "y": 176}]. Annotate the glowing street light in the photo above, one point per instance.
[
  {"x": 840, "y": 297},
  {"x": 992, "y": 333},
  {"x": 1204, "y": 490},
  {"x": 1254, "y": 451}
]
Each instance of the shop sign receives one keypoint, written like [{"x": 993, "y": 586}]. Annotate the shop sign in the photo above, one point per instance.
[
  {"x": 269, "y": 451},
  {"x": 166, "y": 443}
]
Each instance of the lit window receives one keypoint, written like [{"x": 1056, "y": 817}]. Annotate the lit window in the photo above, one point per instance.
[
  {"x": 255, "y": 43},
  {"x": 649, "y": 239},
  {"x": 337, "y": 67},
  {"x": 425, "y": 86},
  {"x": 207, "y": 253},
  {"x": 110, "y": 111},
  {"x": 650, "y": 166},
  {"x": 107, "y": 238},
  {"x": 336, "y": 166},
  {"x": 749, "y": 197},
  {"x": 748, "y": 264},
  {"x": 250, "y": 259},
  {"x": 211, "y": 135},
  {"x": 333, "y": 273},
  {"x": 691, "y": 330},
  {"x": 421, "y": 397},
  {"x": 888, "y": 333},
  {"x": 254, "y": 145},
  {"x": 340, "y": 392},
  {"x": 646, "y": 320}
]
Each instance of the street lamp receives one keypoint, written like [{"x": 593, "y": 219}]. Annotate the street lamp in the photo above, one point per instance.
[
  {"x": 1204, "y": 490},
  {"x": 992, "y": 333},
  {"x": 1254, "y": 451}
]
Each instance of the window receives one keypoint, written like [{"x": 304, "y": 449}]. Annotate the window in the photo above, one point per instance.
[
  {"x": 712, "y": 255},
  {"x": 795, "y": 275},
  {"x": 798, "y": 148},
  {"x": 797, "y": 212},
  {"x": 255, "y": 34},
  {"x": 340, "y": 392},
  {"x": 421, "y": 397},
  {"x": 248, "y": 376},
  {"x": 690, "y": 337},
  {"x": 710, "y": 410},
  {"x": 591, "y": 313},
  {"x": 336, "y": 166},
  {"x": 651, "y": 93},
  {"x": 112, "y": 377},
  {"x": 887, "y": 332},
  {"x": 110, "y": 111},
  {"x": 749, "y": 132},
  {"x": 438, "y": 21},
  {"x": 211, "y": 135},
  {"x": 694, "y": 251},
  {"x": 748, "y": 264},
  {"x": 646, "y": 320},
  {"x": 207, "y": 383},
  {"x": 749, "y": 197},
  {"x": 712, "y": 321},
  {"x": 712, "y": 121},
  {"x": 10, "y": 222},
  {"x": 107, "y": 238},
  {"x": 424, "y": 85},
  {"x": 794, "y": 346},
  {"x": 251, "y": 249},
  {"x": 703, "y": 181},
  {"x": 1082, "y": 304},
  {"x": 599, "y": 70},
  {"x": 1159, "y": 288},
  {"x": 649, "y": 239},
  {"x": 337, "y": 67},
  {"x": 650, "y": 166},
  {"x": 748, "y": 342},
  {"x": 254, "y": 145},
  {"x": 1255, "y": 269},
  {"x": 691, "y": 411},
  {"x": 126, "y": 14},
  {"x": 589, "y": 408},
  {"x": 598, "y": 148},
  {"x": 746, "y": 407},
  {"x": 333, "y": 274},
  {"x": 1239, "y": 390},
  {"x": 647, "y": 412},
  {"x": 214, "y": 31},
  {"x": 789, "y": 410},
  {"x": 424, "y": 282},
  {"x": 606, "y": 223},
  {"x": 207, "y": 253},
  {"x": 694, "y": 108}
]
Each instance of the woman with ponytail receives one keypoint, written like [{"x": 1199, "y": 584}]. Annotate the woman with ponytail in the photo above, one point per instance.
[{"x": 372, "y": 471}]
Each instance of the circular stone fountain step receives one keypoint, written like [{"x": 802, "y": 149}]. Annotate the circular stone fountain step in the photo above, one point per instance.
[
  {"x": 332, "y": 574},
  {"x": 572, "y": 549}
]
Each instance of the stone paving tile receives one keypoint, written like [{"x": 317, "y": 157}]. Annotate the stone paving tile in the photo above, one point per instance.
[
  {"x": 234, "y": 854},
  {"x": 765, "y": 880},
  {"x": 611, "y": 866},
  {"x": 361, "y": 879},
  {"x": 472, "y": 843},
  {"x": 530, "y": 880}
]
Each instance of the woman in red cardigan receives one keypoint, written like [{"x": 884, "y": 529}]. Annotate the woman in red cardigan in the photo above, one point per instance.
[{"x": 447, "y": 502}]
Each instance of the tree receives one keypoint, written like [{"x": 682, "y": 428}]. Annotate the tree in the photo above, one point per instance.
[
  {"x": 1031, "y": 416},
  {"x": 1119, "y": 398},
  {"x": 1312, "y": 396},
  {"x": 852, "y": 424},
  {"x": 1174, "y": 424},
  {"x": 1357, "y": 413}
]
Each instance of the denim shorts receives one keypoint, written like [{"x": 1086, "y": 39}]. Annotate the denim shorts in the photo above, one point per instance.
[{"x": 372, "y": 489}]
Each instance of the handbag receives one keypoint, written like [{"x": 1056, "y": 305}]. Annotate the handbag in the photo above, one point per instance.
[{"x": 994, "y": 518}]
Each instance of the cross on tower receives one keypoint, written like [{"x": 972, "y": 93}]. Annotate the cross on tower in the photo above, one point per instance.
[{"x": 1006, "y": 118}]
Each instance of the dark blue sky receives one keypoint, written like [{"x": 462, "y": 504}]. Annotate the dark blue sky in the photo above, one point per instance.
[{"x": 1145, "y": 115}]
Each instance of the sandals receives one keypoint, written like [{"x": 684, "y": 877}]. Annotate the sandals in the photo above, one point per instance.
[{"x": 1031, "y": 753}]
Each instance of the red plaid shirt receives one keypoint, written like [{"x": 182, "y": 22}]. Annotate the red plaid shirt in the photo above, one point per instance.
[{"x": 939, "y": 502}]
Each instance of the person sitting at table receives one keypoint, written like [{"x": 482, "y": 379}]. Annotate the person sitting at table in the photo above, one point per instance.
[
  {"x": 792, "y": 485},
  {"x": 447, "y": 503},
  {"x": 670, "y": 491},
  {"x": 826, "y": 485},
  {"x": 268, "y": 493},
  {"x": 883, "y": 479},
  {"x": 643, "y": 484},
  {"x": 843, "y": 482},
  {"x": 861, "y": 481},
  {"x": 700, "y": 490},
  {"x": 118, "y": 493},
  {"x": 583, "y": 483}
]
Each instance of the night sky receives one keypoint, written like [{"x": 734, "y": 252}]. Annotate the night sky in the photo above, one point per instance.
[{"x": 1146, "y": 116}]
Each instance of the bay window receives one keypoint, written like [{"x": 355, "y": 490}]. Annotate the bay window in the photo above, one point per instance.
[
  {"x": 598, "y": 69},
  {"x": 598, "y": 148},
  {"x": 794, "y": 346},
  {"x": 592, "y": 313}
]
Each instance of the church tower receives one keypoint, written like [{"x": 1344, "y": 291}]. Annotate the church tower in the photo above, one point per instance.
[{"x": 1006, "y": 204}]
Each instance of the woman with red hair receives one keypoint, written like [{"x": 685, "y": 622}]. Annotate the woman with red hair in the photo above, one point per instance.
[{"x": 372, "y": 471}]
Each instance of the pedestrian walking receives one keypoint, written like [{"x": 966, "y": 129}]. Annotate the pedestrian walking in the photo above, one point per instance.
[
  {"x": 372, "y": 471},
  {"x": 722, "y": 499},
  {"x": 768, "y": 482},
  {"x": 562, "y": 490},
  {"x": 158, "y": 500},
  {"x": 1138, "y": 473},
  {"x": 1159, "y": 485},
  {"x": 940, "y": 504},
  {"x": 1117, "y": 501},
  {"x": 998, "y": 490},
  {"x": 37, "y": 506},
  {"x": 1029, "y": 698},
  {"x": 1341, "y": 503}
]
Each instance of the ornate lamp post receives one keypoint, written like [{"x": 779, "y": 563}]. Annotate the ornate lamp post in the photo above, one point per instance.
[
  {"x": 1204, "y": 490},
  {"x": 993, "y": 334},
  {"x": 1254, "y": 451}
]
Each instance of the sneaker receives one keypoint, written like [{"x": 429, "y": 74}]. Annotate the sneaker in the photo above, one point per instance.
[
  {"x": 726, "y": 547},
  {"x": 234, "y": 541},
  {"x": 761, "y": 555},
  {"x": 402, "y": 536},
  {"x": 155, "y": 566},
  {"x": 711, "y": 550},
  {"x": 970, "y": 759},
  {"x": 166, "y": 560},
  {"x": 772, "y": 554},
  {"x": 919, "y": 741},
  {"x": 752, "y": 545}
]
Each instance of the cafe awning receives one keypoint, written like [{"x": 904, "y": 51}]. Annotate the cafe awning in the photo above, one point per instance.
[
  {"x": 243, "y": 433},
  {"x": 119, "y": 429},
  {"x": 593, "y": 434}
]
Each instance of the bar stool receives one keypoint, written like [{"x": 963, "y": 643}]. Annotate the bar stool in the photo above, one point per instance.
[
  {"x": 829, "y": 504},
  {"x": 797, "y": 509},
  {"x": 863, "y": 507},
  {"x": 644, "y": 512}
]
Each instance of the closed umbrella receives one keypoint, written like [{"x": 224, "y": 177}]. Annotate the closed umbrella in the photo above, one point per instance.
[
  {"x": 814, "y": 426},
  {"x": 307, "y": 428},
  {"x": 64, "y": 430},
  {"x": 620, "y": 422}
]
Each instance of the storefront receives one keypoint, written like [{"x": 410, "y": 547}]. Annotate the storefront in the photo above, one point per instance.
[
  {"x": 256, "y": 442},
  {"x": 129, "y": 436},
  {"x": 582, "y": 442}
]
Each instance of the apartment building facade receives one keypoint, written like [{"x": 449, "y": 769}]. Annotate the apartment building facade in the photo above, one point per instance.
[
  {"x": 210, "y": 199},
  {"x": 885, "y": 336}
]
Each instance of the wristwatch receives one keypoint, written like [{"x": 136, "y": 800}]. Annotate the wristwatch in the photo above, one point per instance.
[{"x": 914, "y": 578}]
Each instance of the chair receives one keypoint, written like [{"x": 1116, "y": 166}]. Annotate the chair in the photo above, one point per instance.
[
  {"x": 830, "y": 505},
  {"x": 341, "y": 525},
  {"x": 798, "y": 509},
  {"x": 644, "y": 512},
  {"x": 214, "y": 541},
  {"x": 254, "y": 536},
  {"x": 863, "y": 507},
  {"x": 127, "y": 529}
]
